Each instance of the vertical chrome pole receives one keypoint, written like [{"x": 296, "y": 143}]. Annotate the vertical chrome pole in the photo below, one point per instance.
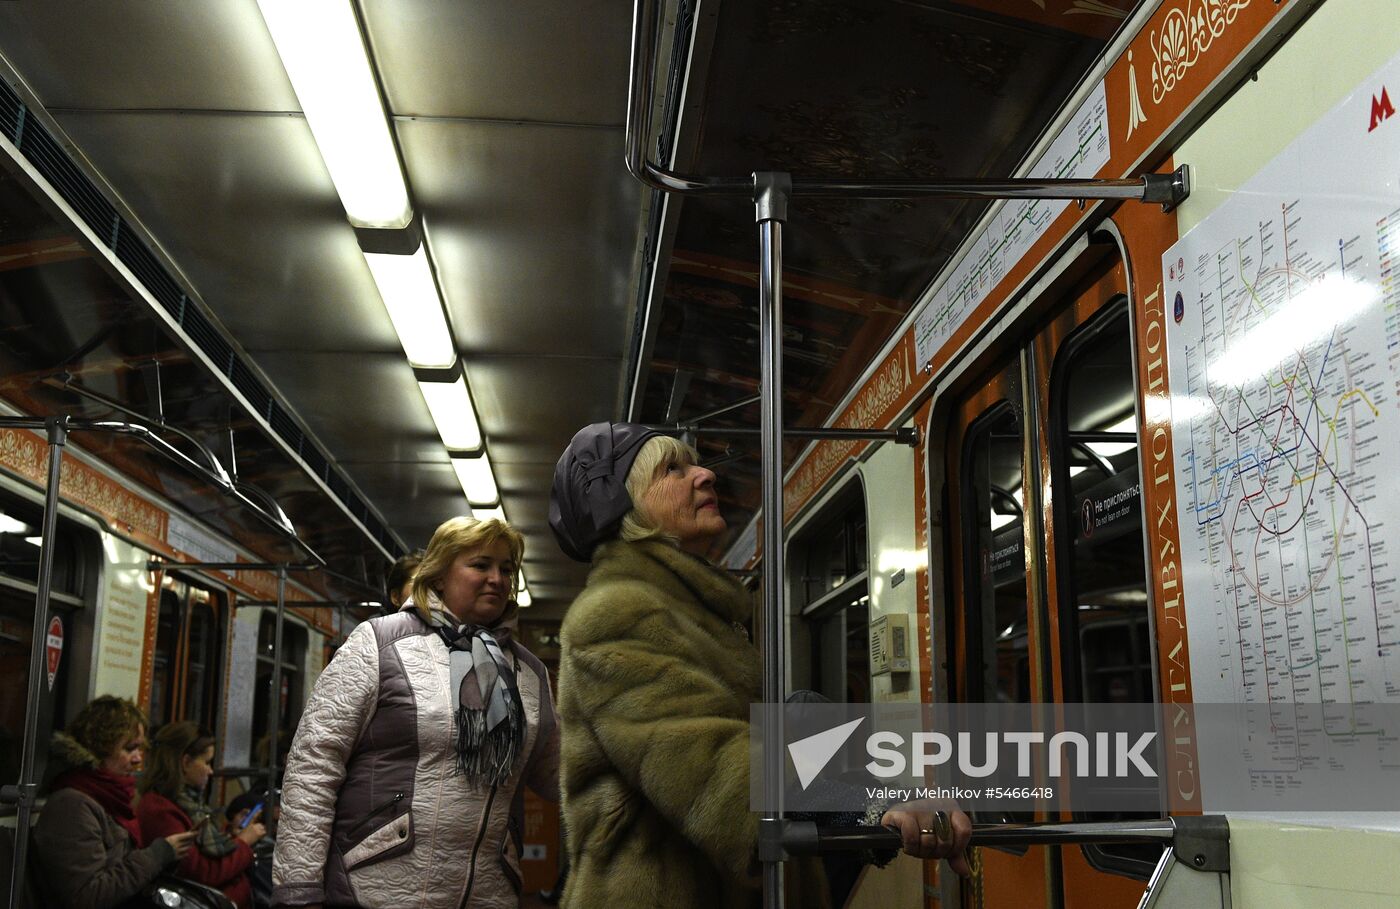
[
  {"x": 275, "y": 701},
  {"x": 27, "y": 787},
  {"x": 771, "y": 192}
]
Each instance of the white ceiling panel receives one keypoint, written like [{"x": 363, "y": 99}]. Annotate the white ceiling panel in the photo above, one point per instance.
[
  {"x": 567, "y": 61},
  {"x": 146, "y": 54},
  {"x": 337, "y": 404},
  {"x": 534, "y": 231},
  {"x": 546, "y": 399}
]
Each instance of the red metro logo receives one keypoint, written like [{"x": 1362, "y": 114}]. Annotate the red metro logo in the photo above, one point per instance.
[{"x": 1381, "y": 109}]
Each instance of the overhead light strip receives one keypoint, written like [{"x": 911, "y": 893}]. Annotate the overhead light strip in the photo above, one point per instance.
[
  {"x": 325, "y": 58},
  {"x": 478, "y": 482},
  {"x": 410, "y": 295},
  {"x": 451, "y": 406}
]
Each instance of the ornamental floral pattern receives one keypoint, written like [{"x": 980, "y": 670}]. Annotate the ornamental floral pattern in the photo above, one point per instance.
[
  {"x": 1186, "y": 34},
  {"x": 26, "y": 454}
]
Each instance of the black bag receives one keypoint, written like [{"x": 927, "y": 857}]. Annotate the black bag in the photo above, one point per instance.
[{"x": 170, "y": 892}]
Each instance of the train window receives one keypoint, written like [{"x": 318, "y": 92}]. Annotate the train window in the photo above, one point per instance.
[
  {"x": 19, "y": 549},
  {"x": 188, "y": 660},
  {"x": 998, "y": 620},
  {"x": 163, "y": 665},
  {"x": 1099, "y": 533},
  {"x": 835, "y": 601},
  {"x": 1100, "y": 528},
  {"x": 289, "y": 700},
  {"x": 19, "y": 574},
  {"x": 205, "y": 649}
]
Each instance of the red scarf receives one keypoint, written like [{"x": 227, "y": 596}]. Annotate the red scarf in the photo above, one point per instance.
[{"x": 114, "y": 792}]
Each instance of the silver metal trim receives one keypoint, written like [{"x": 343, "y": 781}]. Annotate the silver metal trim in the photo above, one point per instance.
[{"x": 1166, "y": 189}]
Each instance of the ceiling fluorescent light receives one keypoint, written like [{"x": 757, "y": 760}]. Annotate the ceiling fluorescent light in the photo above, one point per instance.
[
  {"x": 477, "y": 480},
  {"x": 409, "y": 293},
  {"x": 451, "y": 407},
  {"x": 486, "y": 514},
  {"x": 325, "y": 58}
]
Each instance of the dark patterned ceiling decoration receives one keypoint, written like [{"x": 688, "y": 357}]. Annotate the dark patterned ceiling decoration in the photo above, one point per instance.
[{"x": 853, "y": 89}]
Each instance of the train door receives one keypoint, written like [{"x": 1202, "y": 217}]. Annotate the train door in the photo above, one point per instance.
[
  {"x": 187, "y": 665},
  {"x": 1096, "y": 583},
  {"x": 996, "y": 638},
  {"x": 1046, "y": 559},
  {"x": 291, "y": 697}
]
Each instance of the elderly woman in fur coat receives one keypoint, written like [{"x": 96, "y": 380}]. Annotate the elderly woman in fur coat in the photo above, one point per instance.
[{"x": 656, "y": 679}]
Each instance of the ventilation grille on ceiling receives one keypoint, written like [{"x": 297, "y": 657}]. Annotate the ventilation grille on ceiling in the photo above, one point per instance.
[{"x": 47, "y": 157}]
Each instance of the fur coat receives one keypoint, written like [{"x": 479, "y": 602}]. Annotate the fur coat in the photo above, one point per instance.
[{"x": 656, "y": 678}]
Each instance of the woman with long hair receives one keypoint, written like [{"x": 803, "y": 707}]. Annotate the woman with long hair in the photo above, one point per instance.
[
  {"x": 405, "y": 782},
  {"x": 172, "y": 801},
  {"x": 88, "y": 844}
]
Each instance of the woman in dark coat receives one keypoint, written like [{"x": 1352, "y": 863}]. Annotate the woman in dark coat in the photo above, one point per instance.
[
  {"x": 657, "y": 676},
  {"x": 88, "y": 845}
]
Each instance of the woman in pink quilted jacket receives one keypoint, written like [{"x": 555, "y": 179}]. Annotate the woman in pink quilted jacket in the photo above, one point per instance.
[{"x": 404, "y": 782}]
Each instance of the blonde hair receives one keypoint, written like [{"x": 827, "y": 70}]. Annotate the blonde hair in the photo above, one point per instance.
[
  {"x": 656, "y": 454},
  {"x": 454, "y": 537}
]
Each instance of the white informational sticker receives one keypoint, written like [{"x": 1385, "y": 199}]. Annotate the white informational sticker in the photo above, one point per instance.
[{"x": 1078, "y": 152}]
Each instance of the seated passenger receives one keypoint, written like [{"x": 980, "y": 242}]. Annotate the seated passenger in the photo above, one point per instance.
[
  {"x": 656, "y": 679},
  {"x": 88, "y": 845},
  {"x": 241, "y": 811},
  {"x": 172, "y": 801},
  {"x": 404, "y": 783}
]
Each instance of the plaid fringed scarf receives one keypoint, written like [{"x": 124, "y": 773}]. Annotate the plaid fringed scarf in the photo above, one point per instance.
[
  {"x": 211, "y": 841},
  {"x": 490, "y": 717}
]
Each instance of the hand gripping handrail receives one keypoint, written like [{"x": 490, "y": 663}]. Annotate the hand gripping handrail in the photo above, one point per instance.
[
  {"x": 1194, "y": 868},
  {"x": 1167, "y": 189}
]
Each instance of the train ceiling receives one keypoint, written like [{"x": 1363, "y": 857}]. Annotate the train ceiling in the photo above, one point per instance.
[{"x": 509, "y": 122}]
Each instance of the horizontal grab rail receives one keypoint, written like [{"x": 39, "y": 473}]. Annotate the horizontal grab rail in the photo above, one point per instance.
[
  {"x": 807, "y": 837},
  {"x": 1167, "y": 189}
]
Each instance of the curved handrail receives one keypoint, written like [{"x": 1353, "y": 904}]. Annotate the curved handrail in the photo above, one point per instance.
[
  {"x": 276, "y": 511},
  {"x": 213, "y": 474},
  {"x": 64, "y": 381},
  {"x": 1167, "y": 189}
]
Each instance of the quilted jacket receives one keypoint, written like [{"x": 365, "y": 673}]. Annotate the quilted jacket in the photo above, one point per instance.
[{"x": 374, "y": 812}]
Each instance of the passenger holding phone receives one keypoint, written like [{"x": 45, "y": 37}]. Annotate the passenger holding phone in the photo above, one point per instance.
[
  {"x": 242, "y": 811},
  {"x": 172, "y": 800}
]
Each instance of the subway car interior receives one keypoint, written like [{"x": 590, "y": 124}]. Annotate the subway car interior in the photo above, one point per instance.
[{"x": 1031, "y": 343}]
